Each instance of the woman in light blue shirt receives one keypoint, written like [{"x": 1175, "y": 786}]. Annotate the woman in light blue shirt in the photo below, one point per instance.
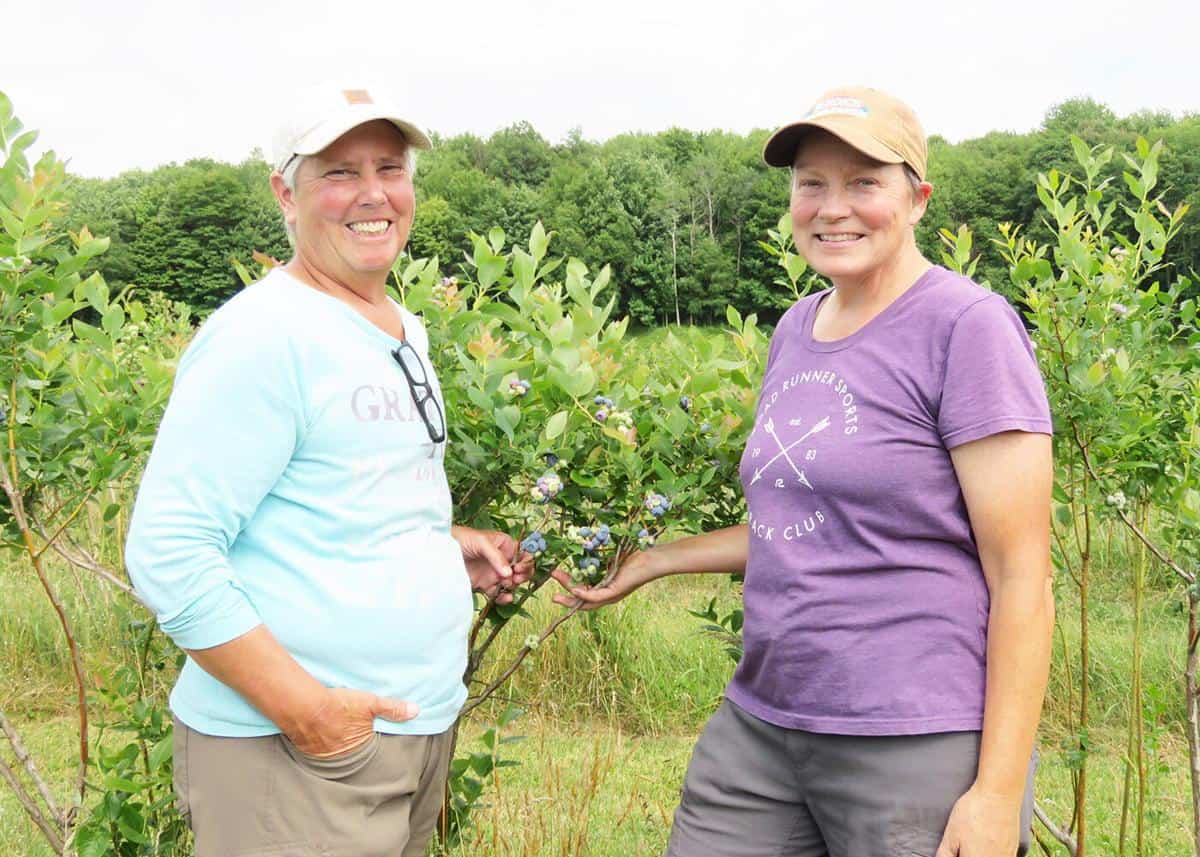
[{"x": 293, "y": 528}]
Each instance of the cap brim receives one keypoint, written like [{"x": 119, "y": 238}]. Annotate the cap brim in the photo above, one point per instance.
[
  {"x": 780, "y": 150},
  {"x": 327, "y": 132}
]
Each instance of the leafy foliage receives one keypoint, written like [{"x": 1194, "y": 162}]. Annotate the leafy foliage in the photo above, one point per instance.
[{"x": 676, "y": 214}]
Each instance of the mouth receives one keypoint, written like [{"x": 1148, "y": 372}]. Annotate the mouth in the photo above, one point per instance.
[
  {"x": 370, "y": 228},
  {"x": 839, "y": 237}
]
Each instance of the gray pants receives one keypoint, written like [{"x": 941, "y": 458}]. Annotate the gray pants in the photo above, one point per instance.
[
  {"x": 254, "y": 797},
  {"x": 754, "y": 789}
]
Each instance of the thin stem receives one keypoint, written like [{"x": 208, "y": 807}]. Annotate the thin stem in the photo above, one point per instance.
[
  {"x": 8, "y": 483},
  {"x": 1064, "y": 838},
  {"x": 54, "y": 837},
  {"x": 49, "y": 540},
  {"x": 87, "y": 563},
  {"x": 26, "y": 759}
]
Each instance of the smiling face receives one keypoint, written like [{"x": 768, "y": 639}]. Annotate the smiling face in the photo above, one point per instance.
[
  {"x": 852, "y": 217},
  {"x": 352, "y": 206}
]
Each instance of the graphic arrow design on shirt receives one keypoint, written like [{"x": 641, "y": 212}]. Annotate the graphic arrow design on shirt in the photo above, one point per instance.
[{"x": 769, "y": 427}]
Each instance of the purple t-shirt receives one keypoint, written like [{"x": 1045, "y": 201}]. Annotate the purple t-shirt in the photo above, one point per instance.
[{"x": 866, "y": 607}]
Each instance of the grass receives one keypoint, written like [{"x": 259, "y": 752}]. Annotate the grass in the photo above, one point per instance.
[{"x": 616, "y": 699}]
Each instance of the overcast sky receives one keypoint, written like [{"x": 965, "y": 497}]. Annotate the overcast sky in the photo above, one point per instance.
[{"x": 122, "y": 85}]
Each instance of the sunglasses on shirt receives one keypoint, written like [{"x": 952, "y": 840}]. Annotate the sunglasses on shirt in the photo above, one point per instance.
[{"x": 422, "y": 391}]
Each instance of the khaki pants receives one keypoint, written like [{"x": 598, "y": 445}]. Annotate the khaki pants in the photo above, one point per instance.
[{"x": 253, "y": 797}]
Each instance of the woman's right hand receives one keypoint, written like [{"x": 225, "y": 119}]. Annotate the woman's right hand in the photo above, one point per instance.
[
  {"x": 345, "y": 720},
  {"x": 635, "y": 571}
]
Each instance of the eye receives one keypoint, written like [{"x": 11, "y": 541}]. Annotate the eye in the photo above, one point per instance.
[
  {"x": 339, "y": 174},
  {"x": 866, "y": 181},
  {"x": 393, "y": 169}
]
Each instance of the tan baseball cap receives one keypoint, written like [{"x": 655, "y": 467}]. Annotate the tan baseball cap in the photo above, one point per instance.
[
  {"x": 875, "y": 123},
  {"x": 325, "y": 112}
]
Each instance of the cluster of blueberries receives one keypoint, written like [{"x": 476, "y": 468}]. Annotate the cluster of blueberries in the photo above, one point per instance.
[
  {"x": 547, "y": 487},
  {"x": 606, "y": 404},
  {"x": 593, "y": 540},
  {"x": 657, "y": 504},
  {"x": 645, "y": 539},
  {"x": 519, "y": 387},
  {"x": 534, "y": 544},
  {"x": 439, "y": 289}
]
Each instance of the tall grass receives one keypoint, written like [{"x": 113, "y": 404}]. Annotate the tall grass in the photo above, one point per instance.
[{"x": 617, "y": 697}]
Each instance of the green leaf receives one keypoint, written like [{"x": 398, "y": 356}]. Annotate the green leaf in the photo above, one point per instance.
[
  {"x": 94, "y": 247},
  {"x": 59, "y": 312},
  {"x": 538, "y": 242},
  {"x": 795, "y": 266},
  {"x": 524, "y": 268},
  {"x": 577, "y": 383},
  {"x": 1082, "y": 153},
  {"x": 1135, "y": 185},
  {"x": 113, "y": 320},
  {"x": 489, "y": 269},
  {"x": 704, "y": 382},
  {"x": 556, "y": 425},
  {"x": 507, "y": 418},
  {"x": 90, "y": 842},
  {"x": 92, "y": 335}
]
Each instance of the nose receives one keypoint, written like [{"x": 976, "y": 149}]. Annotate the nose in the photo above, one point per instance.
[
  {"x": 834, "y": 204},
  {"x": 371, "y": 188}
]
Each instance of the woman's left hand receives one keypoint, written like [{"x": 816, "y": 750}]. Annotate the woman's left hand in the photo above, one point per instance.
[
  {"x": 982, "y": 825},
  {"x": 495, "y": 563}
]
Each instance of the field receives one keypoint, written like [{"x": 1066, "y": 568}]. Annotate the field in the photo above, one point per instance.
[{"x": 614, "y": 704}]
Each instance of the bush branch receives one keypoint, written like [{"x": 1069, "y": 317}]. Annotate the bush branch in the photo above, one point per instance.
[
  {"x": 26, "y": 760},
  {"x": 54, "y": 837},
  {"x": 1065, "y": 839},
  {"x": 87, "y": 563},
  {"x": 8, "y": 469}
]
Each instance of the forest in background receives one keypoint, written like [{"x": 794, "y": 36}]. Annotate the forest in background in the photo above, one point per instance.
[{"x": 678, "y": 214}]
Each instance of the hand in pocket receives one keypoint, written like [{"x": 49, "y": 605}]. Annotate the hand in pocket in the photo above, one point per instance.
[{"x": 346, "y": 721}]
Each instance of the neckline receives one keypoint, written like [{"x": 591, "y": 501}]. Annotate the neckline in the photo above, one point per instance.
[
  {"x": 813, "y": 344},
  {"x": 406, "y": 318}
]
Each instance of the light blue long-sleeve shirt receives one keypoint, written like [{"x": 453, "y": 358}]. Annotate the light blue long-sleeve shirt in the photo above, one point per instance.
[{"x": 293, "y": 484}]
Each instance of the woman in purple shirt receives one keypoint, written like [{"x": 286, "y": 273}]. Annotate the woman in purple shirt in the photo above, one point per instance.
[{"x": 898, "y": 607}]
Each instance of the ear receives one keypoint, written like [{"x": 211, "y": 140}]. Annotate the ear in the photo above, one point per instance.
[
  {"x": 921, "y": 203},
  {"x": 285, "y": 196}
]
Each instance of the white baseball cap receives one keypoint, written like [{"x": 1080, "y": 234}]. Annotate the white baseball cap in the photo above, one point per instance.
[{"x": 325, "y": 112}]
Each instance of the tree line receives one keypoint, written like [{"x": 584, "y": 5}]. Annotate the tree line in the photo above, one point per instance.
[{"x": 678, "y": 214}]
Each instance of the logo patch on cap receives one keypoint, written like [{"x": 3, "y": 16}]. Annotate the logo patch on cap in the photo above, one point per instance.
[
  {"x": 357, "y": 96},
  {"x": 841, "y": 106}
]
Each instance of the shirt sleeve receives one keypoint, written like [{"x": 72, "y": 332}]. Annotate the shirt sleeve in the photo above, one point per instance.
[
  {"x": 991, "y": 382},
  {"x": 234, "y": 419}
]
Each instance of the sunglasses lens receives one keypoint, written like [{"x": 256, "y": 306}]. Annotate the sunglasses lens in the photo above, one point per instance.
[
  {"x": 434, "y": 419},
  {"x": 412, "y": 362}
]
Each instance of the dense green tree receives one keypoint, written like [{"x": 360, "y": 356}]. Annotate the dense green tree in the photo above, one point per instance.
[
  {"x": 678, "y": 214},
  {"x": 518, "y": 154}
]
